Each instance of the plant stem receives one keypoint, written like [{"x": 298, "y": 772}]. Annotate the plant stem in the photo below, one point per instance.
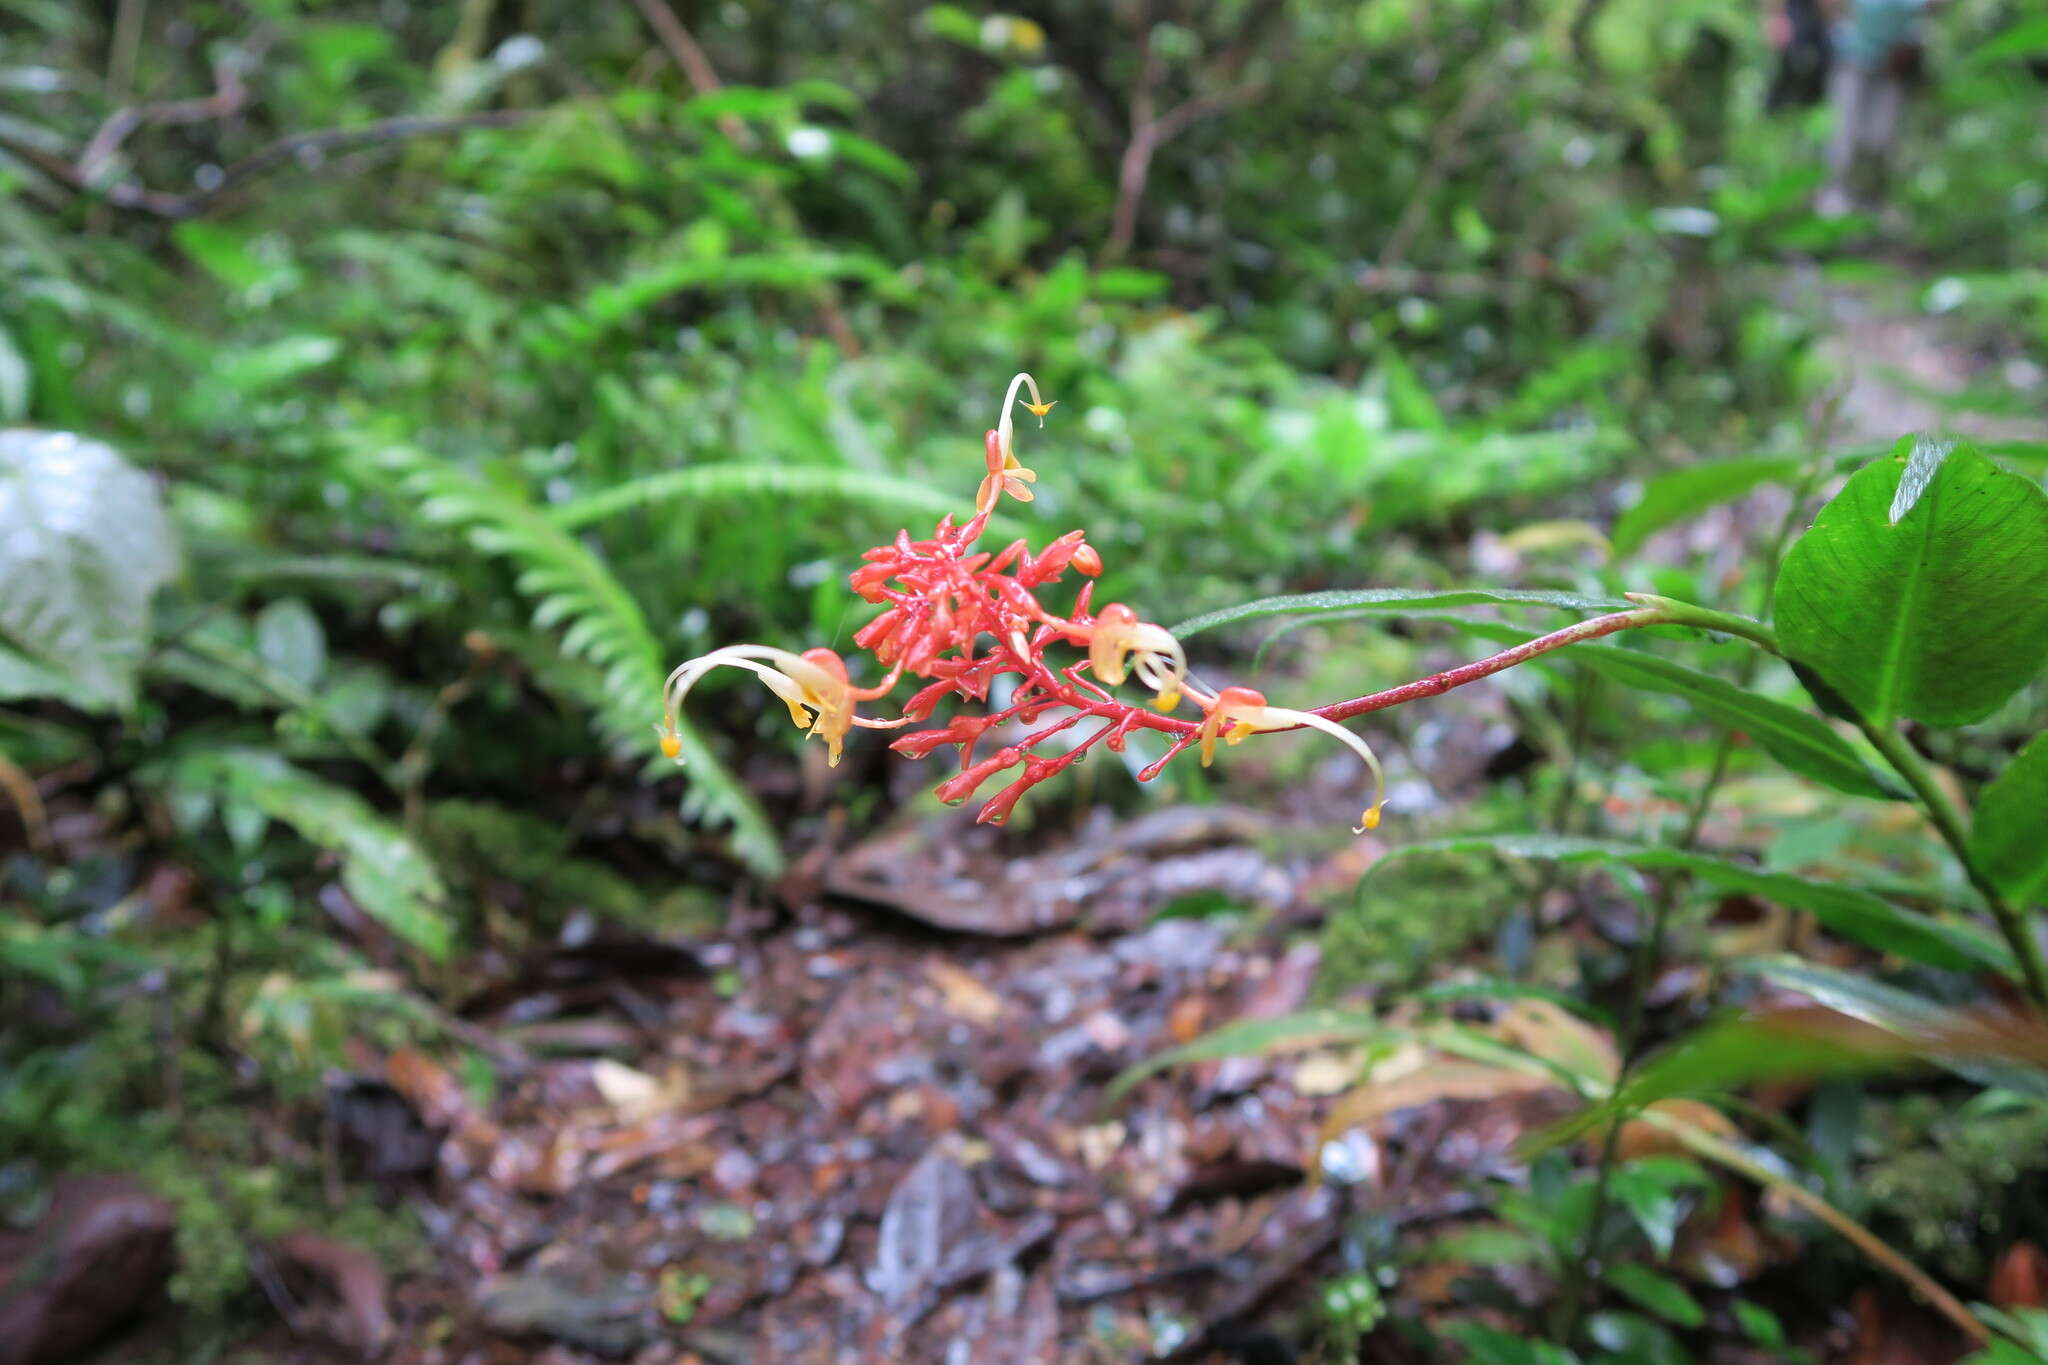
[
  {"x": 1862, "y": 1238},
  {"x": 1649, "y": 949},
  {"x": 1437, "y": 684},
  {"x": 1948, "y": 822}
]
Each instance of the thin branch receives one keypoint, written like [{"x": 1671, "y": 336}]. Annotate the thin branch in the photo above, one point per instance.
[
  {"x": 225, "y": 102},
  {"x": 687, "y": 54},
  {"x": 1148, "y": 134},
  {"x": 1727, "y": 1154},
  {"x": 299, "y": 146}
]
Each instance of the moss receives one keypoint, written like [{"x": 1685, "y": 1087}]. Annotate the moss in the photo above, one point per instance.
[
  {"x": 1399, "y": 925},
  {"x": 1968, "y": 1185}
]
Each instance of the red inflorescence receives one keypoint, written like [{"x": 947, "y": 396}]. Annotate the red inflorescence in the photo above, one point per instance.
[{"x": 961, "y": 618}]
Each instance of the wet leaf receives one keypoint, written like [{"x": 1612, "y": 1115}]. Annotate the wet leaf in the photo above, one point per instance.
[
  {"x": 1922, "y": 590},
  {"x": 2007, "y": 838},
  {"x": 1394, "y": 601},
  {"x": 1659, "y": 1294},
  {"x": 1685, "y": 493}
]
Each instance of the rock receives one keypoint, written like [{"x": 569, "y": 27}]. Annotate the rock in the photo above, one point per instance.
[
  {"x": 97, "y": 1255},
  {"x": 612, "y": 1316},
  {"x": 350, "y": 1303}
]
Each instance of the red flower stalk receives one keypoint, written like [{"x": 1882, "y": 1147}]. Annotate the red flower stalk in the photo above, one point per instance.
[{"x": 960, "y": 618}]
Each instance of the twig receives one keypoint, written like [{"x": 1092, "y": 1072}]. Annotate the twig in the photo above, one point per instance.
[
  {"x": 1150, "y": 131},
  {"x": 226, "y": 101},
  {"x": 1862, "y": 1238},
  {"x": 21, "y": 789},
  {"x": 165, "y": 204}
]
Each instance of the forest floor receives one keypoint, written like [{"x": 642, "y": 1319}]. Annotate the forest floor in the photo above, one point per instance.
[{"x": 871, "y": 1119}]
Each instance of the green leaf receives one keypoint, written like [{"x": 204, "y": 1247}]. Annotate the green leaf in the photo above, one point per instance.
[
  {"x": 702, "y": 482},
  {"x": 1632, "y": 1339},
  {"x": 1854, "y": 914},
  {"x": 1394, "y": 600},
  {"x": 2009, "y": 837},
  {"x": 1760, "y": 1323},
  {"x": 21, "y": 676},
  {"x": 84, "y": 544},
  {"x": 1795, "y": 1043},
  {"x": 1309, "y": 1028},
  {"x": 16, "y": 380},
  {"x": 602, "y": 626},
  {"x": 385, "y": 872},
  {"x": 1650, "y": 1190},
  {"x": 1922, "y": 589},
  {"x": 1489, "y": 1346},
  {"x": 1798, "y": 739},
  {"x": 289, "y": 639},
  {"x": 1922, "y": 1025},
  {"x": 1685, "y": 493},
  {"x": 1659, "y": 1294}
]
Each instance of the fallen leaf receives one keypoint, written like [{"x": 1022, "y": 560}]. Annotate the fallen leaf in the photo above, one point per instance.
[{"x": 964, "y": 993}]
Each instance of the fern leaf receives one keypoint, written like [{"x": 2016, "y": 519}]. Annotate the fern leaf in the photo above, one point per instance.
[
  {"x": 743, "y": 480},
  {"x": 605, "y": 629}
]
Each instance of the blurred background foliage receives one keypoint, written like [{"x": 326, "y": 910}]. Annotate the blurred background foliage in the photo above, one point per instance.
[{"x": 487, "y": 358}]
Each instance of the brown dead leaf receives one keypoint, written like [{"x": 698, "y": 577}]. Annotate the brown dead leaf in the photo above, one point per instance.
[
  {"x": 1556, "y": 1035},
  {"x": 1442, "y": 1080},
  {"x": 964, "y": 993},
  {"x": 1639, "y": 1138},
  {"x": 428, "y": 1086}
]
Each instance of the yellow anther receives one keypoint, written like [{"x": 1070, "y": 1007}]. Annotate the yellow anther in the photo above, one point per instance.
[
  {"x": 1166, "y": 701},
  {"x": 1039, "y": 410}
]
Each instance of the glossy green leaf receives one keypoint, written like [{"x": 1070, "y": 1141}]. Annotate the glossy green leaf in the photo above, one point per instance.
[
  {"x": 2009, "y": 838},
  {"x": 84, "y": 545},
  {"x": 1922, "y": 590},
  {"x": 290, "y": 640},
  {"x": 1489, "y": 1346},
  {"x": 1921, "y": 1024},
  {"x": 1653, "y": 1190},
  {"x": 1632, "y": 1339},
  {"x": 1726, "y": 1056},
  {"x": 1684, "y": 493},
  {"x": 1394, "y": 600},
  {"x": 1854, "y": 914},
  {"x": 1655, "y": 1293}
]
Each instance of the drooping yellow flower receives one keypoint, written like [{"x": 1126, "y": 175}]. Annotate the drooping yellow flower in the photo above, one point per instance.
[
  {"x": 1119, "y": 644},
  {"x": 813, "y": 685},
  {"x": 1240, "y": 711},
  {"x": 1006, "y": 474}
]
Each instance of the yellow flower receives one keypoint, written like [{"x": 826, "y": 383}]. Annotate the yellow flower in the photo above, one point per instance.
[
  {"x": 813, "y": 685},
  {"x": 1241, "y": 711},
  {"x": 1005, "y": 473},
  {"x": 1119, "y": 643}
]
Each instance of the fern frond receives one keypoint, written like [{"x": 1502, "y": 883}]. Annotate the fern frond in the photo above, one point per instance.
[
  {"x": 601, "y": 625},
  {"x": 746, "y": 480}
]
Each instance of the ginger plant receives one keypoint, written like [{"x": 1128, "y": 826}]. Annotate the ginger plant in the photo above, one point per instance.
[{"x": 960, "y": 618}]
